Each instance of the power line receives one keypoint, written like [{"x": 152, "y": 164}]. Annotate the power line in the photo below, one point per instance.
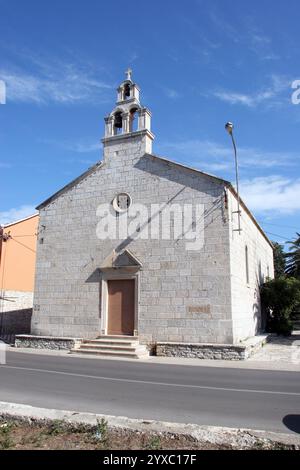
[
  {"x": 25, "y": 246},
  {"x": 2, "y": 290},
  {"x": 278, "y": 225},
  {"x": 19, "y": 236},
  {"x": 276, "y": 235}
]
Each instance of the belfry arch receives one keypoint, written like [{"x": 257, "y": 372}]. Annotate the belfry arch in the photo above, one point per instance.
[{"x": 129, "y": 116}]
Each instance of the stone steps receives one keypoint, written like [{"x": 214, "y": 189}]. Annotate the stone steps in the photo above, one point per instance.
[
  {"x": 110, "y": 347},
  {"x": 109, "y": 342},
  {"x": 100, "y": 352},
  {"x": 114, "y": 346},
  {"x": 114, "y": 338}
]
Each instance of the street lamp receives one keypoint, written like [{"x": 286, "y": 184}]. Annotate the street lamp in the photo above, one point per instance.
[{"x": 229, "y": 129}]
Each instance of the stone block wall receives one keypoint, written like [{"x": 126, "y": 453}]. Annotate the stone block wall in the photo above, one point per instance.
[
  {"x": 46, "y": 342},
  {"x": 15, "y": 315},
  {"x": 183, "y": 295},
  {"x": 202, "y": 351},
  {"x": 229, "y": 352},
  {"x": 246, "y": 311}
]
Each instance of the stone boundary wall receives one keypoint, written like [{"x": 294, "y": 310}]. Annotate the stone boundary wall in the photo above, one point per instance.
[
  {"x": 46, "y": 342},
  {"x": 13, "y": 323},
  {"x": 14, "y": 300},
  {"x": 231, "y": 352},
  {"x": 15, "y": 315}
]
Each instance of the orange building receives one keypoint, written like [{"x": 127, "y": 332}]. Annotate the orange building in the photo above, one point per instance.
[
  {"x": 17, "y": 255},
  {"x": 17, "y": 269}
]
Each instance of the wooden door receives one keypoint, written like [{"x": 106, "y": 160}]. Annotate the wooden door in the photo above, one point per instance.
[{"x": 121, "y": 293}]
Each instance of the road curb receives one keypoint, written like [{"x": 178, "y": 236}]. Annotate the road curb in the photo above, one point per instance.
[
  {"x": 248, "y": 364},
  {"x": 232, "y": 437}
]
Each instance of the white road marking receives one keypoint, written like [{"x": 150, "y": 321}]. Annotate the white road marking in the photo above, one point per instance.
[{"x": 146, "y": 382}]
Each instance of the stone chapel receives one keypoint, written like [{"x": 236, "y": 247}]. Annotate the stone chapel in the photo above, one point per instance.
[{"x": 141, "y": 253}]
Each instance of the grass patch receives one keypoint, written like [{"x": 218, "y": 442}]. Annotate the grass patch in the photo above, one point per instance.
[
  {"x": 23, "y": 434},
  {"x": 6, "y": 441},
  {"x": 154, "y": 443}
]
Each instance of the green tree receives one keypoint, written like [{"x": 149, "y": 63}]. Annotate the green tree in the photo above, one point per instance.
[
  {"x": 279, "y": 297},
  {"x": 279, "y": 260},
  {"x": 293, "y": 258}
]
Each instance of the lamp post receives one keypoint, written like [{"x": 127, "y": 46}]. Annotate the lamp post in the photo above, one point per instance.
[{"x": 229, "y": 129}]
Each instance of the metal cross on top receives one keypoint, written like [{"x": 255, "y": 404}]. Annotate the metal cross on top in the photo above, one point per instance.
[{"x": 128, "y": 73}]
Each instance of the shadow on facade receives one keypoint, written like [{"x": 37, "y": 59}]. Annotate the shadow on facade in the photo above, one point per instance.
[{"x": 179, "y": 174}]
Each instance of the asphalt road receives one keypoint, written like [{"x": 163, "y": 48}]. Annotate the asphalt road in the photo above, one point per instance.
[{"x": 268, "y": 400}]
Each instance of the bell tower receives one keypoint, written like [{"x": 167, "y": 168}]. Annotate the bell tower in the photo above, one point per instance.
[{"x": 129, "y": 119}]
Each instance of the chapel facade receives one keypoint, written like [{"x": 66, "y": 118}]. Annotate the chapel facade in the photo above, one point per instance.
[{"x": 145, "y": 247}]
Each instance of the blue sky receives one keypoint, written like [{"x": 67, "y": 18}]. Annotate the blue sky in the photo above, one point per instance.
[{"x": 198, "y": 63}]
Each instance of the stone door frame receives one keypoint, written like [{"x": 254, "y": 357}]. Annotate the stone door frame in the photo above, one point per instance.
[{"x": 113, "y": 276}]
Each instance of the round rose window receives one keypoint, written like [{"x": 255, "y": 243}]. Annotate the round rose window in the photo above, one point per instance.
[{"x": 121, "y": 202}]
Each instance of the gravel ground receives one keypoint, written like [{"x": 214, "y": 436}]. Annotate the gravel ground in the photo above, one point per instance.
[{"x": 26, "y": 434}]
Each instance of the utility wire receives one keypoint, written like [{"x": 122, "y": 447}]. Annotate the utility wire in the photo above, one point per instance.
[
  {"x": 19, "y": 236},
  {"x": 25, "y": 246},
  {"x": 278, "y": 225},
  {"x": 276, "y": 235},
  {"x": 2, "y": 292}
]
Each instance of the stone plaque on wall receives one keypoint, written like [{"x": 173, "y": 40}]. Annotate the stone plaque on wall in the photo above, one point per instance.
[{"x": 199, "y": 309}]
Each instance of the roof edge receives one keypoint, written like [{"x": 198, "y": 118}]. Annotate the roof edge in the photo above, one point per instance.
[
  {"x": 247, "y": 210},
  {"x": 20, "y": 220},
  {"x": 70, "y": 185},
  {"x": 187, "y": 167},
  {"x": 166, "y": 160},
  {"x": 226, "y": 183}
]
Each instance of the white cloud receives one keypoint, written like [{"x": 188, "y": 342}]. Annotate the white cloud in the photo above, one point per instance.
[
  {"x": 78, "y": 147},
  {"x": 271, "y": 194},
  {"x": 258, "y": 38},
  {"x": 84, "y": 147},
  {"x": 246, "y": 34},
  {"x": 16, "y": 213},
  {"x": 133, "y": 57},
  {"x": 261, "y": 45},
  {"x": 264, "y": 195},
  {"x": 171, "y": 93},
  {"x": 224, "y": 26},
  {"x": 82, "y": 161},
  {"x": 212, "y": 156},
  {"x": 270, "y": 95},
  {"x": 5, "y": 165},
  {"x": 62, "y": 83},
  {"x": 234, "y": 98}
]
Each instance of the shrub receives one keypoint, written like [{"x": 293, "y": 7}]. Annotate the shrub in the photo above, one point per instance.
[{"x": 279, "y": 298}]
